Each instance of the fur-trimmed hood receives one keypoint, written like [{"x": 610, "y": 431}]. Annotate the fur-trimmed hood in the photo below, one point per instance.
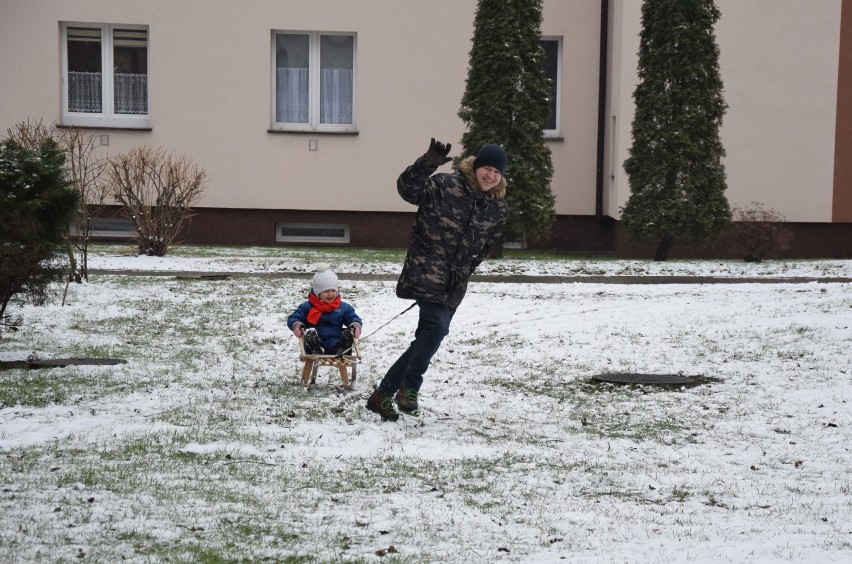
[{"x": 466, "y": 168}]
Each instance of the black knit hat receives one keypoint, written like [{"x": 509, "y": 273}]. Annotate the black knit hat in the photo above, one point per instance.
[{"x": 491, "y": 155}]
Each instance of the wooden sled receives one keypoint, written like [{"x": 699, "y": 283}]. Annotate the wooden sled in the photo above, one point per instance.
[{"x": 343, "y": 363}]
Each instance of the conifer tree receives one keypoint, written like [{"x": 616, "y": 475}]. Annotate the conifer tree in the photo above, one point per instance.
[
  {"x": 36, "y": 204},
  {"x": 506, "y": 102},
  {"x": 677, "y": 179}
]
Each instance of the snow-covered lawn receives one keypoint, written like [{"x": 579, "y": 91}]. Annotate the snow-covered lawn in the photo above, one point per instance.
[
  {"x": 203, "y": 447},
  {"x": 271, "y": 260}
]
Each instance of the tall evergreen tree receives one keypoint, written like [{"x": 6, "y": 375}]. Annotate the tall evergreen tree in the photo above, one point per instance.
[
  {"x": 677, "y": 179},
  {"x": 506, "y": 102}
]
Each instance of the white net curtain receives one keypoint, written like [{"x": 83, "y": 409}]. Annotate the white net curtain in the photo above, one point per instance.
[
  {"x": 292, "y": 102},
  {"x": 131, "y": 93},
  {"x": 84, "y": 93},
  {"x": 336, "y": 96},
  {"x": 293, "y": 96}
]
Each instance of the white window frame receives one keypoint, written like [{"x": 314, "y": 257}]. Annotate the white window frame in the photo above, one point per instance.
[
  {"x": 106, "y": 118},
  {"x": 314, "y": 84},
  {"x": 280, "y": 238},
  {"x": 555, "y": 133}
]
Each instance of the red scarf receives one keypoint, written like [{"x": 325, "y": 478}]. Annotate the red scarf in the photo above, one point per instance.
[{"x": 320, "y": 307}]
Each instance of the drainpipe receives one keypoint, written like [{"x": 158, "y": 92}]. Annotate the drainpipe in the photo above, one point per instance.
[{"x": 602, "y": 76}]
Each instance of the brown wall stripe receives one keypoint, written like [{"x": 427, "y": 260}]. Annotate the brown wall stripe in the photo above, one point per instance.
[{"x": 842, "y": 197}]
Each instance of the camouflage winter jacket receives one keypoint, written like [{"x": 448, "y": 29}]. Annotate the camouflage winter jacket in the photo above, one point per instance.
[{"x": 456, "y": 225}]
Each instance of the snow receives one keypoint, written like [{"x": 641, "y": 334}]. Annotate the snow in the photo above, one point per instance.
[
  {"x": 205, "y": 444},
  {"x": 263, "y": 260}
]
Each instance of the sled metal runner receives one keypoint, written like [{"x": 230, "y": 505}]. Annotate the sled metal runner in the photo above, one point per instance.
[{"x": 342, "y": 362}]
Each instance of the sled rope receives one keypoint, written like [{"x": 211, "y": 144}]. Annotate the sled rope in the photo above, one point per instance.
[
  {"x": 388, "y": 322},
  {"x": 380, "y": 328}
]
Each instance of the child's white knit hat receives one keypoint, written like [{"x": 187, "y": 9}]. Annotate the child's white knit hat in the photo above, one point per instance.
[{"x": 323, "y": 280}]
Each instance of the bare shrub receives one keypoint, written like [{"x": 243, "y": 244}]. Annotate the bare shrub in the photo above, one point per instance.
[
  {"x": 86, "y": 172},
  {"x": 157, "y": 191},
  {"x": 760, "y": 231},
  {"x": 31, "y": 133}
]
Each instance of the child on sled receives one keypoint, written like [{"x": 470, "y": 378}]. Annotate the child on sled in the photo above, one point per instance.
[{"x": 328, "y": 324}]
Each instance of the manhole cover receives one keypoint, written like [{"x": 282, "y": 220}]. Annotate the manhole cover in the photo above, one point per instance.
[
  {"x": 203, "y": 276},
  {"x": 659, "y": 379}
]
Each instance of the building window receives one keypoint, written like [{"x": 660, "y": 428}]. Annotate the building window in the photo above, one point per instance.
[
  {"x": 112, "y": 227},
  {"x": 313, "y": 81},
  {"x": 311, "y": 233},
  {"x": 552, "y": 65},
  {"x": 105, "y": 75}
]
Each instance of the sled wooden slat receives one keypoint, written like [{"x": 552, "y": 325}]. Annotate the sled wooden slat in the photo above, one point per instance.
[{"x": 343, "y": 363}]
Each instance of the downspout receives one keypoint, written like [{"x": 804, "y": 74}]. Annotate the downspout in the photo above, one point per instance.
[{"x": 602, "y": 78}]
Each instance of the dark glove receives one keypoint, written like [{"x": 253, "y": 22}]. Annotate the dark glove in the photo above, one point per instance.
[{"x": 437, "y": 154}]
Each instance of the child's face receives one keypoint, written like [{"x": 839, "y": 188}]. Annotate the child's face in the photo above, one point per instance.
[{"x": 328, "y": 296}]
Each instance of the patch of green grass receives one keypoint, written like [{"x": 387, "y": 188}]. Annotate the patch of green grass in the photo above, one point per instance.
[
  {"x": 30, "y": 388},
  {"x": 46, "y": 386},
  {"x": 532, "y": 254},
  {"x": 628, "y": 423}
]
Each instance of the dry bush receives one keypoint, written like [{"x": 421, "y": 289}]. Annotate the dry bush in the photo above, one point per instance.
[
  {"x": 759, "y": 232},
  {"x": 86, "y": 172},
  {"x": 157, "y": 191},
  {"x": 31, "y": 134}
]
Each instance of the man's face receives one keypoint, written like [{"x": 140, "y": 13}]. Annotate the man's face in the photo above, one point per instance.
[
  {"x": 327, "y": 296},
  {"x": 488, "y": 177}
]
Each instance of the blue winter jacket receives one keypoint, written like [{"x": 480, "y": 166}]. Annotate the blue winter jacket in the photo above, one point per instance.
[{"x": 329, "y": 324}]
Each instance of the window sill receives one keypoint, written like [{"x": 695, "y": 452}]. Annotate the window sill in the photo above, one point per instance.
[
  {"x": 110, "y": 127},
  {"x": 313, "y": 131}
]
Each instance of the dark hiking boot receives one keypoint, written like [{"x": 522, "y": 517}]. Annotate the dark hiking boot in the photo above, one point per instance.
[
  {"x": 406, "y": 401},
  {"x": 383, "y": 405},
  {"x": 313, "y": 343},
  {"x": 347, "y": 339}
]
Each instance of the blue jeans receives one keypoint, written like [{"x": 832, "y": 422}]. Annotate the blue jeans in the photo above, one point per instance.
[{"x": 408, "y": 370}]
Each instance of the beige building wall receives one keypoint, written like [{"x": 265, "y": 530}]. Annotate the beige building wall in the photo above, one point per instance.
[
  {"x": 624, "y": 27},
  {"x": 210, "y": 92},
  {"x": 210, "y": 95},
  {"x": 574, "y": 156},
  {"x": 779, "y": 62}
]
